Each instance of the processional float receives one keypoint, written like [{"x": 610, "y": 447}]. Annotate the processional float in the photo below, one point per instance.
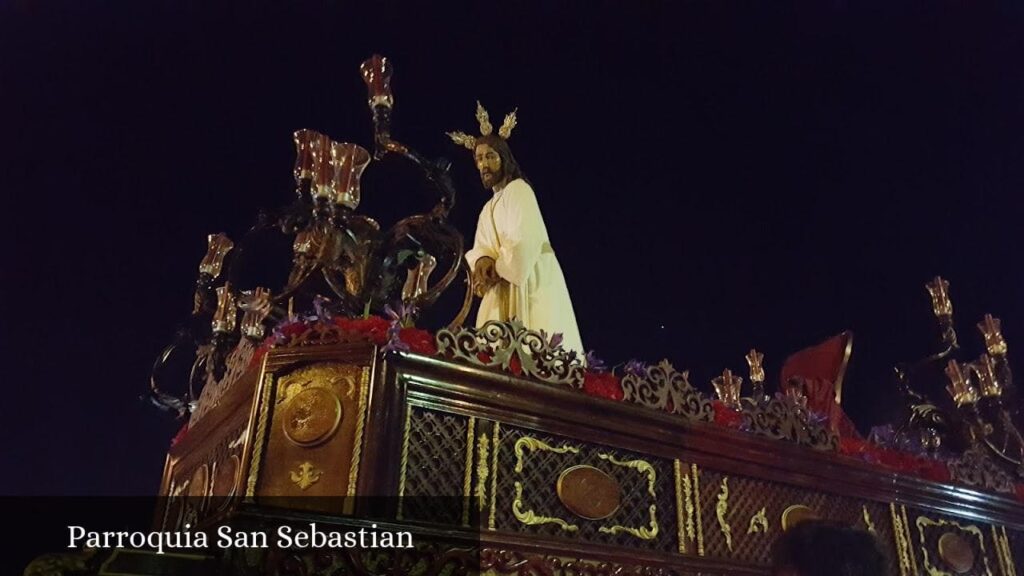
[{"x": 503, "y": 453}]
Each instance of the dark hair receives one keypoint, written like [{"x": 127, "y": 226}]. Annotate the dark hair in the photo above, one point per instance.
[
  {"x": 508, "y": 161},
  {"x": 824, "y": 548}
]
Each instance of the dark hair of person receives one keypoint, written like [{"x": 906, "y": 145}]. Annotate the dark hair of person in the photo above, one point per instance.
[
  {"x": 825, "y": 548},
  {"x": 508, "y": 161}
]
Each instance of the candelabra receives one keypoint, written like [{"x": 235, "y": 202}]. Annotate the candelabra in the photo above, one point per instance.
[
  {"x": 342, "y": 261},
  {"x": 979, "y": 388}
]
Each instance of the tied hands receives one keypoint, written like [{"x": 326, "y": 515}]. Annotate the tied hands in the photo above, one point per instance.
[{"x": 485, "y": 276}]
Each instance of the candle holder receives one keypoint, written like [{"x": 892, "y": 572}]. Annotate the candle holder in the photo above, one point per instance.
[
  {"x": 754, "y": 361},
  {"x": 727, "y": 388},
  {"x": 960, "y": 388}
]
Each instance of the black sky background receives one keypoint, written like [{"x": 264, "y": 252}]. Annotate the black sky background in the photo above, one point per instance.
[{"x": 714, "y": 176}]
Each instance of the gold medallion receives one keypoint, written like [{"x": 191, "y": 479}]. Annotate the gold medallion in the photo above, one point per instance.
[
  {"x": 312, "y": 416},
  {"x": 588, "y": 492},
  {"x": 956, "y": 553},
  {"x": 225, "y": 480},
  {"x": 199, "y": 483}
]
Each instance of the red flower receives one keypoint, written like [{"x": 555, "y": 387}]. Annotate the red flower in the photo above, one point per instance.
[
  {"x": 936, "y": 471},
  {"x": 419, "y": 341},
  {"x": 603, "y": 385},
  {"x": 725, "y": 416},
  {"x": 374, "y": 327}
]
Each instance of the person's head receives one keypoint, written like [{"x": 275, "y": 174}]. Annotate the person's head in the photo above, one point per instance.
[
  {"x": 495, "y": 162},
  {"x": 824, "y": 548}
]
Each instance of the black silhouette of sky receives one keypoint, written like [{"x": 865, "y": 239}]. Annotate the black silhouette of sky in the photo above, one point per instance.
[{"x": 714, "y": 176}]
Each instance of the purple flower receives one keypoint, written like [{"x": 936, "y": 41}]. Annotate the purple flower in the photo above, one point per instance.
[
  {"x": 394, "y": 343},
  {"x": 320, "y": 304},
  {"x": 400, "y": 313},
  {"x": 594, "y": 364},
  {"x": 635, "y": 368}
]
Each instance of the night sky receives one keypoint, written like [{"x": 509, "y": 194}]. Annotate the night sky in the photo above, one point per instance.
[{"x": 714, "y": 175}]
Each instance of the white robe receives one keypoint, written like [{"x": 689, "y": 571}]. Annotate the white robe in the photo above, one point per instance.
[{"x": 511, "y": 231}]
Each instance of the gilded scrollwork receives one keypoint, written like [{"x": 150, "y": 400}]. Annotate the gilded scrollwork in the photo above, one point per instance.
[
  {"x": 529, "y": 517},
  {"x": 1003, "y": 552},
  {"x": 924, "y": 522},
  {"x": 868, "y": 524},
  {"x": 759, "y": 522},
  {"x": 467, "y": 483},
  {"x": 662, "y": 387},
  {"x": 976, "y": 468},
  {"x": 782, "y": 419},
  {"x": 722, "y": 511},
  {"x": 684, "y": 507},
  {"x": 306, "y": 476},
  {"x": 529, "y": 443},
  {"x": 496, "y": 344},
  {"x": 482, "y": 470},
  {"x": 650, "y": 531},
  {"x": 696, "y": 502}
]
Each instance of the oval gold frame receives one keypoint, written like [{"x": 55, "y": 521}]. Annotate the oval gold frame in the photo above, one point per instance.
[
  {"x": 570, "y": 470},
  {"x": 339, "y": 412}
]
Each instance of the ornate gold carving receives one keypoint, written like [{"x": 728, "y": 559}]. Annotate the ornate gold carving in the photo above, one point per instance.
[
  {"x": 683, "y": 506},
  {"x": 759, "y": 522},
  {"x": 867, "y": 520},
  {"x": 306, "y": 476},
  {"x": 405, "y": 459},
  {"x": 467, "y": 481},
  {"x": 910, "y": 538},
  {"x": 796, "y": 514},
  {"x": 530, "y": 443},
  {"x": 696, "y": 503},
  {"x": 650, "y": 531},
  {"x": 499, "y": 342},
  {"x": 977, "y": 469},
  {"x": 263, "y": 408},
  {"x": 954, "y": 554},
  {"x": 661, "y": 386},
  {"x": 785, "y": 419},
  {"x": 721, "y": 510},
  {"x": 1010, "y": 565},
  {"x": 588, "y": 492},
  {"x": 357, "y": 442},
  {"x": 528, "y": 517},
  {"x": 1003, "y": 553},
  {"x": 902, "y": 545},
  {"x": 494, "y": 476},
  {"x": 690, "y": 531},
  {"x": 311, "y": 416},
  {"x": 482, "y": 470}
]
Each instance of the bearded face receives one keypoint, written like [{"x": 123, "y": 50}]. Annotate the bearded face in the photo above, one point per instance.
[{"x": 488, "y": 163}]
